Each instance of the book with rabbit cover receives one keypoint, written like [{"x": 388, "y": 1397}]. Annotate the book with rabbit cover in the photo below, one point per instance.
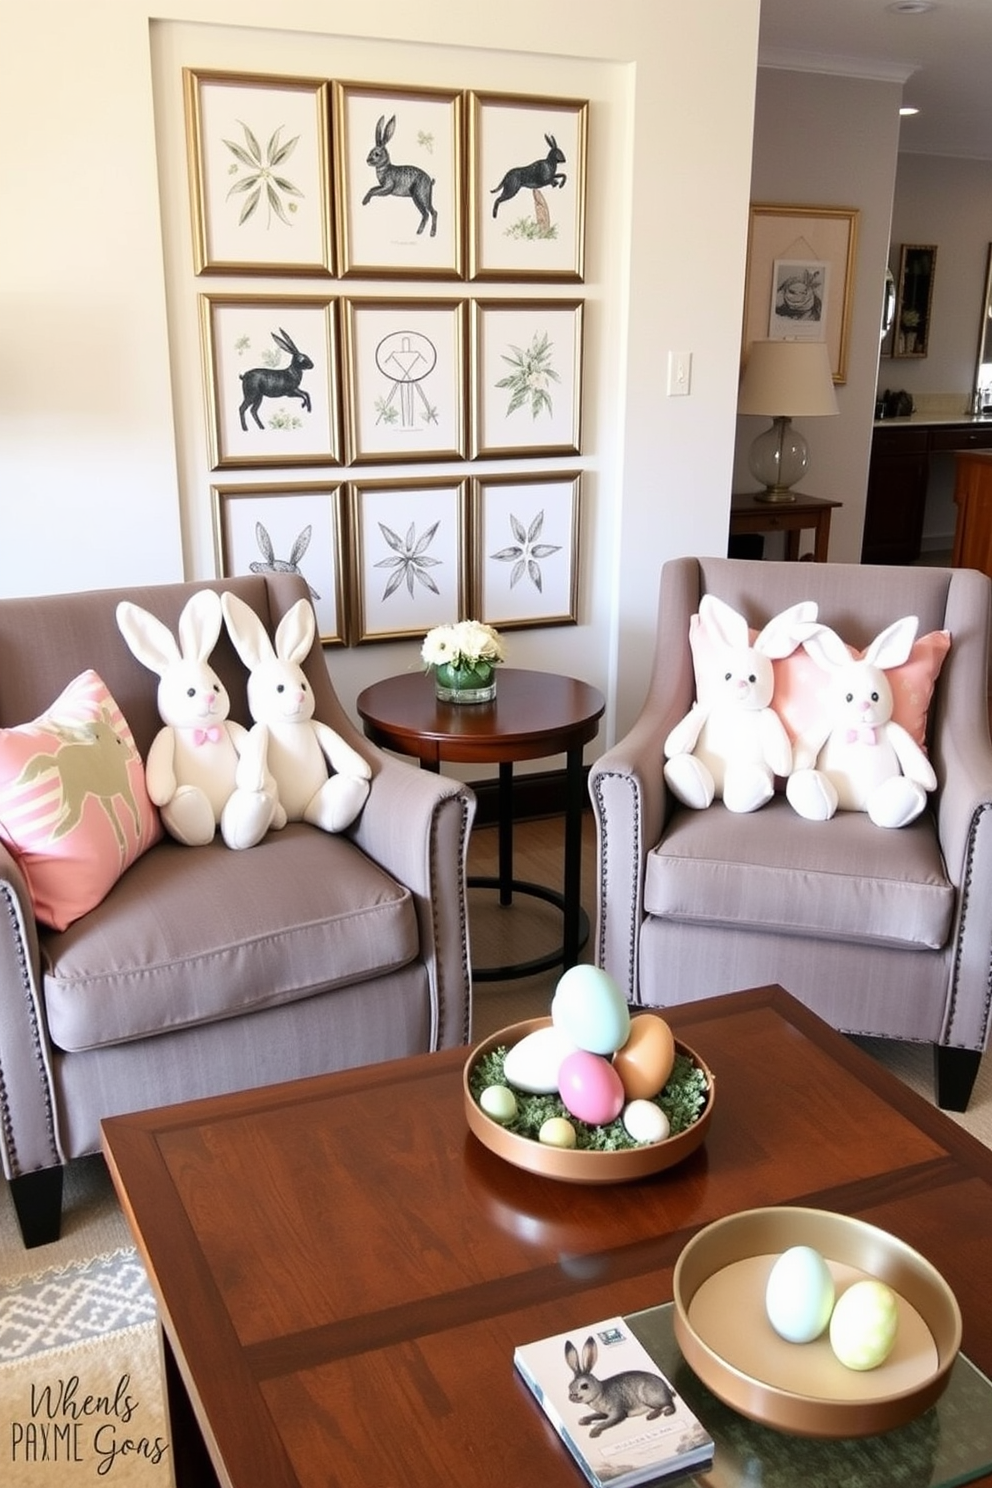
[{"x": 614, "y": 1409}]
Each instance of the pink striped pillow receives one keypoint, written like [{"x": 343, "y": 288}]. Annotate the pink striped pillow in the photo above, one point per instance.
[{"x": 73, "y": 804}]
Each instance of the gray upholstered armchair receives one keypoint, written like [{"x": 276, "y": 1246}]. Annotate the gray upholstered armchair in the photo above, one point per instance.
[
  {"x": 882, "y": 932},
  {"x": 206, "y": 970}
]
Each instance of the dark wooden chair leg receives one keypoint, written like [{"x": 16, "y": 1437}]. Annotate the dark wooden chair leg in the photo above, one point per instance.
[
  {"x": 38, "y": 1202},
  {"x": 955, "y": 1072}
]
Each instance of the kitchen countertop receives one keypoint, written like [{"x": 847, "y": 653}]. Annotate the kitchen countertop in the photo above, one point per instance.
[{"x": 926, "y": 420}]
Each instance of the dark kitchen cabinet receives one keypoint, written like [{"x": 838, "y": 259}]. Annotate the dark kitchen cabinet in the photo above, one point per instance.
[{"x": 898, "y": 475}]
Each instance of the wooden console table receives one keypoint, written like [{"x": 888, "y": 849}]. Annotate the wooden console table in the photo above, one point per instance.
[{"x": 748, "y": 514}]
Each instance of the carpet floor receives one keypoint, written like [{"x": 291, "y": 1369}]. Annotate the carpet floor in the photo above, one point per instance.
[{"x": 80, "y": 1393}]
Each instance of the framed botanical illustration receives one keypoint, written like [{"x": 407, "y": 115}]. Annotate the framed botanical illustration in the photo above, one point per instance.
[
  {"x": 398, "y": 181},
  {"x": 259, "y": 173},
  {"x": 800, "y": 277},
  {"x": 405, "y": 379},
  {"x": 408, "y": 561},
  {"x": 525, "y": 549},
  {"x": 527, "y": 187},
  {"x": 526, "y": 377},
  {"x": 272, "y": 381},
  {"x": 286, "y": 529}
]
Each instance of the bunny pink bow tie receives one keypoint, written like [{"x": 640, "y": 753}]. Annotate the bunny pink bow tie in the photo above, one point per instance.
[
  {"x": 863, "y": 735},
  {"x": 206, "y": 736}
]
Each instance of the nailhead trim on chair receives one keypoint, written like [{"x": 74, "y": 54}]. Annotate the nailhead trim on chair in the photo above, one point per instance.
[
  {"x": 11, "y": 906},
  {"x": 438, "y": 1002},
  {"x": 633, "y": 991},
  {"x": 965, "y": 905}
]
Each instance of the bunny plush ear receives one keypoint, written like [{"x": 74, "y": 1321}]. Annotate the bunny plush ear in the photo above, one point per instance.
[
  {"x": 825, "y": 647},
  {"x": 723, "y": 623},
  {"x": 295, "y": 633},
  {"x": 199, "y": 625},
  {"x": 148, "y": 639},
  {"x": 248, "y": 635},
  {"x": 784, "y": 632},
  {"x": 892, "y": 646}
]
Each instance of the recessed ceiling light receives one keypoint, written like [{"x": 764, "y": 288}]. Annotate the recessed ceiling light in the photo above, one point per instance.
[
  {"x": 908, "y": 109},
  {"x": 911, "y": 7}
]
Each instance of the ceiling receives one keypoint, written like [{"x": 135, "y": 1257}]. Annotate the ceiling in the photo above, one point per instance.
[{"x": 943, "y": 56}]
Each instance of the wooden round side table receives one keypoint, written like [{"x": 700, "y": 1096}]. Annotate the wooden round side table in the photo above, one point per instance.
[{"x": 534, "y": 714}]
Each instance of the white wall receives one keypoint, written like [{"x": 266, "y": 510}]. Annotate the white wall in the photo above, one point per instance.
[
  {"x": 821, "y": 140},
  {"x": 94, "y": 489}
]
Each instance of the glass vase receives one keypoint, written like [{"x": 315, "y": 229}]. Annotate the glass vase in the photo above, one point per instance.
[{"x": 475, "y": 683}]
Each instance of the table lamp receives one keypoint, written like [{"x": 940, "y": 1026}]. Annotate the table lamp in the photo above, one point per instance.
[{"x": 784, "y": 380}]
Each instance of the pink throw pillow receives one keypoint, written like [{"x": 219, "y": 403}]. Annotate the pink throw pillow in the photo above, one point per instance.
[
  {"x": 73, "y": 804},
  {"x": 800, "y": 697}
]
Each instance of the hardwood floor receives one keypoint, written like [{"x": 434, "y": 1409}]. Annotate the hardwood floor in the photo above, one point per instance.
[{"x": 528, "y": 927}]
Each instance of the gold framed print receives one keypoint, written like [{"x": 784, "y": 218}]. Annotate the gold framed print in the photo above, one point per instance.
[
  {"x": 287, "y": 528},
  {"x": 527, "y": 187},
  {"x": 526, "y": 377},
  {"x": 398, "y": 175},
  {"x": 800, "y": 277},
  {"x": 259, "y": 170},
  {"x": 270, "y": 366}
]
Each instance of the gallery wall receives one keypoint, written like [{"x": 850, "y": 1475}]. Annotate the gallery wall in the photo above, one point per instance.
[{"x": 102, "y": 460}]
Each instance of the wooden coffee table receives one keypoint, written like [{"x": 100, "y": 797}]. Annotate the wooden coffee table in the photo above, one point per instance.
[{"x": 343, "y": 1270}]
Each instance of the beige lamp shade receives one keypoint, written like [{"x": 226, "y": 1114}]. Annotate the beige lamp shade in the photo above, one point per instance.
[
  {"x": 784, "y": 380},
  {"x": 788, "y": 377}
]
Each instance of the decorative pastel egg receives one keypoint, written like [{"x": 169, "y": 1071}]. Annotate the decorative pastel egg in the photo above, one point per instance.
[
  {"x": 864, "y": 1324},
  {"x": 799, "y": 1294},
  {"x": 589, "y": 1008},
  {"x": 498, "y": 1102},
  {"x": 557, "y": 1132},
  {"x": 645, "y": 1122},
  {"x": 533, "y": 1063},
  {"x": 645, "y": 1061},
  {"x": 590, "y": 1088}
]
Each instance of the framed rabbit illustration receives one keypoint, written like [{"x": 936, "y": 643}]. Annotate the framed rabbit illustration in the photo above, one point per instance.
[
  {"x": 272, "y": 385},
  {"x": 259, "y": 173},
  {"x": 287, "y": 529},
  {"x": 527, "y": 208},
  {"x": 398, "y": 182}
]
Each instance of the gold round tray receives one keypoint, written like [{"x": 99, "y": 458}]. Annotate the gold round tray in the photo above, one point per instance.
[
  {"x": 726, "y": 1338},
  {"x": 572, "y": 1165}
]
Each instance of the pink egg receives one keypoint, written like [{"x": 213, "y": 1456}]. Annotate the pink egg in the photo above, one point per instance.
[{"x": 590, "y": 1087}]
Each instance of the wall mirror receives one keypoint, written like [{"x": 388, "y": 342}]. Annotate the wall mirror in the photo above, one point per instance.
[
  {"x": 983, "y": 369},
  {"x": 914, "y": 294},
  {"x": 889, "y": 302}
]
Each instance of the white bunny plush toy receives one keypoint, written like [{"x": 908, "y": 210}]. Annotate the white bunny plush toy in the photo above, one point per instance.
[
  {"x": 732, "y": 743},
  {"x": 202, "y": 770},
  {"x": 300, "y": 748},
  {"x": 860, "y": 759}
]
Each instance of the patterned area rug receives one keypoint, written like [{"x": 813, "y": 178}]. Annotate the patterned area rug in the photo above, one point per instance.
[{"x": 80, "y": 1393}]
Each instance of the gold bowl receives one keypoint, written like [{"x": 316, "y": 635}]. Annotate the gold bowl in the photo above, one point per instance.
[
  {"x": 725, "y": 1336},
  {"x": 570, "y": 1165}
]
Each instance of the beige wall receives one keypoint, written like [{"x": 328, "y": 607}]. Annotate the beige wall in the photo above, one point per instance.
[{"x": 832, "y": 141}]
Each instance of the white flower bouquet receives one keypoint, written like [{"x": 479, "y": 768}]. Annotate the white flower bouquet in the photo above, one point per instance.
[
  {"x": 462, "y": 657},
  {"x": 462, "y": 645}
]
